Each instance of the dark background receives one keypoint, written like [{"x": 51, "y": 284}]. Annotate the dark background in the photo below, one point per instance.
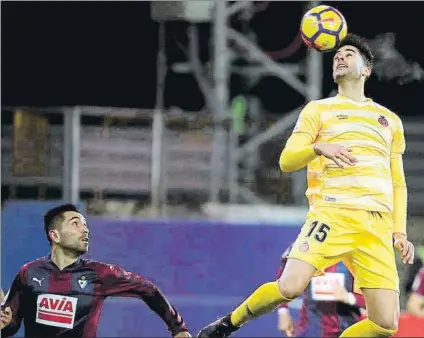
[{"x": 104, "y": 53}]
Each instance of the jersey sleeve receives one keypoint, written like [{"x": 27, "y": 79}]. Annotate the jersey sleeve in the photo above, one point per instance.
[
  {"x": 398, "y": 140},
  {"x": 14, "y": 299},
  {"x": 418, "y": 285},
  {"x": 115, "y": 281},
  {"x": 309, "y": 121}
]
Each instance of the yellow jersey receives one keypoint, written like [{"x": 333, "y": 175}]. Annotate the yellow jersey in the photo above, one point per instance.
[
  {"x": 372, "y": 132},
  {"x": 313, "y": 176}
]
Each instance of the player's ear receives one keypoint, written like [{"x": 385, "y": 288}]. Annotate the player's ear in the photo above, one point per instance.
[
  {"x": 366, "y": 71},
  {"x": 54, "y": 236}
]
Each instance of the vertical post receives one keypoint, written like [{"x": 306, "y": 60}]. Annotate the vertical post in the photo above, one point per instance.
[
  {"x": 158, "y": 191},
  {"x": 233, "y": 165},
  {"x": 71, "y": 155},
  {"x": 156, "y": 168},
  {"x": 253, "y": 159},
  {"x": 221, "y": 94}
]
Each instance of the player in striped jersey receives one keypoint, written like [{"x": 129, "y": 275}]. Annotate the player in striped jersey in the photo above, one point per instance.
[
  {"x": 62, "y": 294},
  {"x": 360, "y": 209}
]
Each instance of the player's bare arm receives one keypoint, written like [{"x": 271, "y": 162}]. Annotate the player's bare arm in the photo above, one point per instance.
[{"x": 285, "y": 322}]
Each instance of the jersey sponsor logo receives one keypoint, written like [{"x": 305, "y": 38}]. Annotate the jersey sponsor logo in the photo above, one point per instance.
[
  {"x": 383, "y": 121},
  {"x": 56, "y": 310},
  {"x": 342, "y": 116},
  {"x": 322, "y": 286}
]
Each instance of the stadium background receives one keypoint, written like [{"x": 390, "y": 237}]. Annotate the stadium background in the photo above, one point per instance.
[{"x": 180, "y": 182}]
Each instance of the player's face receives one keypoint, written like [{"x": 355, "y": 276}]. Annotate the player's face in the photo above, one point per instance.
[
  {"x": 348, "y": 64},
  {"x": 73, "y": 233}
]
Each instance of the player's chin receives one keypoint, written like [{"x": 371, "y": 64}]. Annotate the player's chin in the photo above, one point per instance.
[
  {"x": 81, "y": 250},
  {"x": 339, "y": 75}
]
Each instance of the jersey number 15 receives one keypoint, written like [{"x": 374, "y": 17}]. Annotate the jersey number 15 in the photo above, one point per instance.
[{"x": 321, "y": 231}]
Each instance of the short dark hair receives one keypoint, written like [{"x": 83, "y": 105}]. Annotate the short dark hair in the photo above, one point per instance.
[
  {"x": 362, "y": 45},
  {"x": 55, "y": 214}
]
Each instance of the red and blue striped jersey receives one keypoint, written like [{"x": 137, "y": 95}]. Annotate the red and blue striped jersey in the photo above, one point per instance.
[{"x": 68, "y": 302}]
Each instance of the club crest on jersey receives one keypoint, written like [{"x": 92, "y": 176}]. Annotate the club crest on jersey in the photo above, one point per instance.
[
  {"x": 383, "y": 121},
  {"x": 56, "y": 310},
  {"x": 304, "y": 247},
  {"x": 82, "y": 282}
]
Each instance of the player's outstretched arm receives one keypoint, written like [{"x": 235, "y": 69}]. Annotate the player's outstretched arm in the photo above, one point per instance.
[
  {"x": 12, "y": 306},
  {"x": 120, "y": 283}
]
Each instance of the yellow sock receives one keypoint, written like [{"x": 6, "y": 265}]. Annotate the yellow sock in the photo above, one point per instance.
[
  {"x": 366, "y": 328},
  {"x": 263, "y": 300}
]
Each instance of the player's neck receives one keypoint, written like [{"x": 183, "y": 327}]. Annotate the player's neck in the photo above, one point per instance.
[
  {"x": 353, "y": 90},
  {"x": 63, "y": 258}
]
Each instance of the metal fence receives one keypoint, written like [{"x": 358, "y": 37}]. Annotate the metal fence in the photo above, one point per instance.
[
  {"x": 124, "y": 151},
  {"x": 132, "y": 152}
]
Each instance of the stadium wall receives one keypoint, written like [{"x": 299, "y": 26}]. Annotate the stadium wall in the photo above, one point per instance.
[{"x": 205, "y": 268}]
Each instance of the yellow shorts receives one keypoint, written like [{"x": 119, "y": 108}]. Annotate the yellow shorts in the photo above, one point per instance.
[{"x": 361, "y": 239}]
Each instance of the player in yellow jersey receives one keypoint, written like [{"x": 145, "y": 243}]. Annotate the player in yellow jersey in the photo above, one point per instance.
[{"x": 359, "y": 205}]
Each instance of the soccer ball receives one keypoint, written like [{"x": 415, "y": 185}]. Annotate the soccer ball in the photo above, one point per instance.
[{"x": 322, "y": 28}]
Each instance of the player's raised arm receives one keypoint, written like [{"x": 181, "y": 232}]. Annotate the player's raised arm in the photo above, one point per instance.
[
  {"x": 12, "y": 306},
  {"x": 118, "y": 282},
  {"x": 400, "y": 195}
]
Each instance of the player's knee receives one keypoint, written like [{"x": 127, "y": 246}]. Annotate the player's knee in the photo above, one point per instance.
[{"x": 291, "y": 286}]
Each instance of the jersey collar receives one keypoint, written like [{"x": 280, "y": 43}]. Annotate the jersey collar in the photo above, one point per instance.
[
  {"x": 344, "y": 98},
  {"x": 73, "y": 265}
]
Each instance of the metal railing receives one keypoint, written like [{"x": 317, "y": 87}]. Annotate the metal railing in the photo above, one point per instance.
[
  {"x": 155, "y": 159},
  {"x": 108, "y": 158}
]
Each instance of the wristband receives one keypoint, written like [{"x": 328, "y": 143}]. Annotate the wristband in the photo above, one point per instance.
[
  {"x": 351, "y": 299},
  {"x": 283, "y": 310}
]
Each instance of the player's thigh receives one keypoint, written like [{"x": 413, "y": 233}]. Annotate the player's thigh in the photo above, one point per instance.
[
  {"x": 374, "y": 260},
  {"x": 296, "y": 276},
  {"x": 382, "y": 307},
  {"x": 326, "y": 237}
]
